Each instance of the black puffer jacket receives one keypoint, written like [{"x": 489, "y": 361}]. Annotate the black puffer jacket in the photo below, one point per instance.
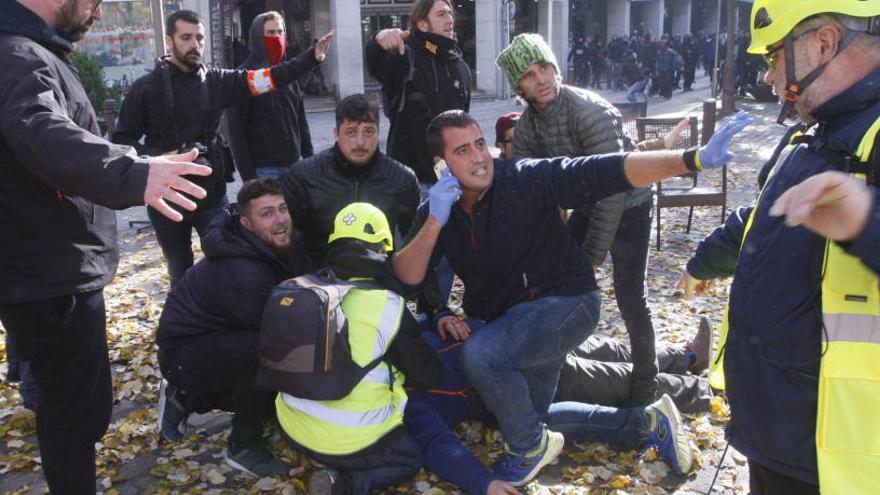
[
  {"x": 57, "y": 177},
  {"x": 227, "y": 290},
  {"x": 270, "y": 130},
  {"x": 318, "y": 187},
  {"x": 436, "y": 79}
]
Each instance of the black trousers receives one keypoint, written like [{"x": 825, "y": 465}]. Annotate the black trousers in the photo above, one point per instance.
[
  {"x": 765, "y": 481},
  {"x": 629, "y": 255},
  {"x": 64, "y": 339},
  {"x": 218, "y": 371}
]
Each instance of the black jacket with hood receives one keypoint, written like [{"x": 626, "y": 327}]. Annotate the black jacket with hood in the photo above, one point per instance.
[
  {"x": 430, "y": 78},
  {"x": 173, "y": 109},
  {"x": 58, "y": 179},
  {"x": 270, "y": 130},
  {"x": 227, "y": 290}
]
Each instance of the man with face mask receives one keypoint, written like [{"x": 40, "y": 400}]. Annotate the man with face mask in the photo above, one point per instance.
[
  {"x": 180, "y": 104},
  {"x": 270, "y": 132},
  {"x": 58, "y": 183}
]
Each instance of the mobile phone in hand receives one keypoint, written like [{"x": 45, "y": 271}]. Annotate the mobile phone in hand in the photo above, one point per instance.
[{"x": 440, "y": 168}]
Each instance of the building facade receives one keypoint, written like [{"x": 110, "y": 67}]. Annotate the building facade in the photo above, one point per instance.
[{"x": 484, "y": 28}]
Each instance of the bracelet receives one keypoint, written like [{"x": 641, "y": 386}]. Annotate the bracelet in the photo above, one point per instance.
[{"x": 691, "y": 158}]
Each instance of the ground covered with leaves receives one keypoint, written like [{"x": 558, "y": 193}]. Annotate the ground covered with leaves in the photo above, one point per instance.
[{"x": 132, "y": 460}]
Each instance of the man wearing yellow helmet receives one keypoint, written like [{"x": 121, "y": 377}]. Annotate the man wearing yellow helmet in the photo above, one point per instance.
[
  {"x": 361, "y": 438},
  {"x": 800, "y": 362}
]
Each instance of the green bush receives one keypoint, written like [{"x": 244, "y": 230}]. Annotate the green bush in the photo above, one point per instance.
[{"x": 92, "y": 76}]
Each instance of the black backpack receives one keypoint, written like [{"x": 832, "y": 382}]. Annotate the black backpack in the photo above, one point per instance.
[{"x": 304, "y": 349}]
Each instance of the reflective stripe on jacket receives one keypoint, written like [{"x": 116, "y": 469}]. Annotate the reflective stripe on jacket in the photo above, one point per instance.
[
  {"x": 375, "y": 405},
  {"x": 847, "y": 430}
]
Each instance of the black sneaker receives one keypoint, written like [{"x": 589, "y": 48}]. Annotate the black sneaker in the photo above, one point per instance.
[
  {"x": 329, "y": 482},
  {"x": 256, "y": 461},
  {"x": 172, "y": 413}
]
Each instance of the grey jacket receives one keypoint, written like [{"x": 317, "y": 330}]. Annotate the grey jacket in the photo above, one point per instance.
[{"x": 579, "y": 122}]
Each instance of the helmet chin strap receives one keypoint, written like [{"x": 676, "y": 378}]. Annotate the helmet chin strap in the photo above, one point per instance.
[{"x": 793, "y": 87}]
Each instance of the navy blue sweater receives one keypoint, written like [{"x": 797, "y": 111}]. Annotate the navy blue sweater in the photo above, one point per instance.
[{"x": 515, "y": 247}]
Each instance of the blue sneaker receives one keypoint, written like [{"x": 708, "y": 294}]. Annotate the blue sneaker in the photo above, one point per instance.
[
  {"x": 667, "y": 435},
  {"x": 520, "y": 469},
  {"x": 172, "y": 413}
]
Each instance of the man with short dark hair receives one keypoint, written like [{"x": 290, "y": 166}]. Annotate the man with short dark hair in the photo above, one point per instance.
[
  {"x": 353, "y": 170},
  {"x": 209, "y": 330},
  {"x": 58, "y": 183},
  {"x": 498, "y": 223},
  {"x": 179, "y": 104},
  {"x": 270, "y": 132}
]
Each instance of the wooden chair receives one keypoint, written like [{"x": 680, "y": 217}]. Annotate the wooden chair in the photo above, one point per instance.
[
  {"x": 630, "y": 112},
  {"x": 684, "y": 190}
]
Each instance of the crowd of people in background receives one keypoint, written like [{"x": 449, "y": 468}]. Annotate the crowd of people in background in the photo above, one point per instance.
[{"x": 644, "y": 65}]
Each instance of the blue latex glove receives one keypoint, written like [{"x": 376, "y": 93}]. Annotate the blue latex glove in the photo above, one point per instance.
[
  {"x": 715, "y": 153},
  {"x": 441, "y": 196}
]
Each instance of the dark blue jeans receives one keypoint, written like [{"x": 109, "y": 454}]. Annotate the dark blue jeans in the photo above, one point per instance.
[
  {"x": 514, "y": 361},
  {"x": 64, "y": 340},
  {"x": 175, "y": 238},
  {"x": 395, "y": 458},
  {"x": 626, "y": 428}
]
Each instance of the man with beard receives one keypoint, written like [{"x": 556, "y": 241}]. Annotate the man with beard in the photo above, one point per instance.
[
  {"x": 179, "y": 104},
  {"x": 270, "y": 132},
  {"x": 422, "y": 74},
  {"x": 561, "y": 120},
  {"x": 58, "y": 181},
  {"x": 209, "y": 331},
  {"x": 353, "y": 170}
]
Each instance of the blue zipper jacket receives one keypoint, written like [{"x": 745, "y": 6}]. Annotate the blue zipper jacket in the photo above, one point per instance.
[{"x": 773, "y": 349}]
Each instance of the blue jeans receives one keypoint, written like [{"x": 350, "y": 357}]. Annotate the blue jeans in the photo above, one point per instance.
[
  {"x": 276, "y": 173},
  {"x": 175, "y": 238},
  {"x": 514, "y": 361},
  {"x": 627, "y": 428},
  {"x": 637, "y": 87}
]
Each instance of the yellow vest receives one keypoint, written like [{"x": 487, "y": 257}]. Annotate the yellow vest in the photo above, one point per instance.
[
  {"x": 375, "y": 405},
  {"x": 848, "y": 414},
  {"x": 848, "y": 417}
]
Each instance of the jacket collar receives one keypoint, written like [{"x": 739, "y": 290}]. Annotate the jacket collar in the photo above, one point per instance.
[
  {"x": 852, "y": 100},
  {"x": 342, "y": 165},
  {"x": 438, "y": 46},
  {"x": 15, "y": 18}
]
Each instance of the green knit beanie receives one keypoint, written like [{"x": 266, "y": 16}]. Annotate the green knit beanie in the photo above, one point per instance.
[{"x": 526, "y": 49}]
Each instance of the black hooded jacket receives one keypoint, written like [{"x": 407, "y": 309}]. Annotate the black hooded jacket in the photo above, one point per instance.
[
  {"x": 227, "y": 290},
  {"x": 270, "y": 130},
  {"x": 433, "y": 77},
  {"x": 58, "y": 179}
]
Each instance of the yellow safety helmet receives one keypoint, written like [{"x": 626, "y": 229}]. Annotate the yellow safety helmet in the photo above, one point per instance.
[
  {"x": 773, "y": 20},
  {"x": 364, "y": 222}
]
